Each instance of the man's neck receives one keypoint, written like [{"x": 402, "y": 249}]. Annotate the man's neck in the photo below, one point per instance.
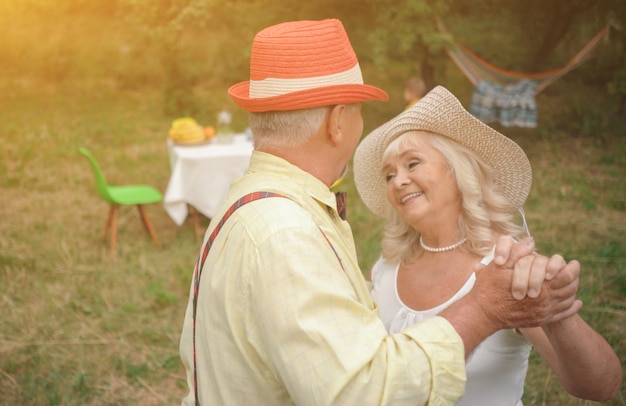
[{"x": 311, "y": 157}]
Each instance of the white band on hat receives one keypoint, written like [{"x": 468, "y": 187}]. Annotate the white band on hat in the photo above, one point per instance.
[{"x": 270, "y": 87}]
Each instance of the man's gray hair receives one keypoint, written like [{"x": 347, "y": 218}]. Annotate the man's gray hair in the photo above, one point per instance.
[{"x": 286, "y": 128}]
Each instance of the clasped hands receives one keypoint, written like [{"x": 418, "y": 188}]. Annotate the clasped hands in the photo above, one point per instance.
[{"x": 540, "y": 290}]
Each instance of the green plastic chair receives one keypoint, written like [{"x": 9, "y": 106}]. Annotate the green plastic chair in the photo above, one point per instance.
[{"x": 118, "y": 196}]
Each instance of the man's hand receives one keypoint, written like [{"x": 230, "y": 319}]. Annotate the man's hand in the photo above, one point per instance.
[
  {"x": 529, "y": 271},
  {"x": 490, "y": 305},
  {"x": 553, "y": 283}
]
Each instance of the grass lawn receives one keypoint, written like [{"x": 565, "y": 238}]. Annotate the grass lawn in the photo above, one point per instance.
[{"x": 79, "y": 327}]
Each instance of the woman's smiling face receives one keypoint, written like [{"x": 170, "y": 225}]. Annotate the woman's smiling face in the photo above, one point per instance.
[{"x": 420, "y": 183}]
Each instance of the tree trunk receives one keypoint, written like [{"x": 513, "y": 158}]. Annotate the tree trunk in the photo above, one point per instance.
[{"x": 428, "y": 73}]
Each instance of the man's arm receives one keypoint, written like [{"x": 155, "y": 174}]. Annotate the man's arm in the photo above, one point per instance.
[
  {"x": 328, "y": 348},
  {"x": 490, "y": 306}
]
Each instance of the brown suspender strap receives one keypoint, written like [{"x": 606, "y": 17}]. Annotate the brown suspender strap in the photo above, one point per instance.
[{"x": 197, "y": 272}]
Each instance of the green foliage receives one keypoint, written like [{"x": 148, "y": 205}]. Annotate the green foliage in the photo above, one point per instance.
[
  {"x": 161, "y": 296},
  {"x": 621, "y": 284},
  {"x": 81, "y": 328},
  {"x": 617, "y": 85},
  {"x": 406, "y": 31},
  {"x": 136, "y": 371}
]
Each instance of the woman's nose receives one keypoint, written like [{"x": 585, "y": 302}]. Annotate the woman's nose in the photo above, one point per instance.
[{"x": 401, "y": 179}]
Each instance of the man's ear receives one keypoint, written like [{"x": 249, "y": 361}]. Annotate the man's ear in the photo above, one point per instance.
[{"x": 334, "y": 123}]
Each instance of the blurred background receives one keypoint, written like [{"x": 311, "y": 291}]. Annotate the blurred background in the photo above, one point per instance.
[{"x": 79, "y": 327}]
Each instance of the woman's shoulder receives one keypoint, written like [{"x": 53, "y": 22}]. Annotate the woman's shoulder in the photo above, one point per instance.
[
  {"x": 383, "y": 269},
  {"x": 383, "y": 265}
]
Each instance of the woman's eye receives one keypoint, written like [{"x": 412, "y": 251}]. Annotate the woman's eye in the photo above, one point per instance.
[
  {"x": 389, "y": 177},
  {"x": 413, "y": 164}
]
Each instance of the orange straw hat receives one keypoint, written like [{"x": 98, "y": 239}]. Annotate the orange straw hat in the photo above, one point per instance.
[
  {"x": 441, "y": 113},
  {"x": 303, "y": 64}
]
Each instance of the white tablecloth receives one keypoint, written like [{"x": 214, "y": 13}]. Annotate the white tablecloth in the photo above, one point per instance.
[{"x": 202, "y": 174}]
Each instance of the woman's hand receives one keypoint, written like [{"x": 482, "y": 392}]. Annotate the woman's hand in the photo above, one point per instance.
[{"x": 531, "y": 270}]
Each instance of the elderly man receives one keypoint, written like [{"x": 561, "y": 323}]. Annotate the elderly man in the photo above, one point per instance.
[{"x": 279, "y": 312}]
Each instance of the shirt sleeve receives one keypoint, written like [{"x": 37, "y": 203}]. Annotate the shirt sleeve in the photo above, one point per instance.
[{"x": 326, "y": 347}]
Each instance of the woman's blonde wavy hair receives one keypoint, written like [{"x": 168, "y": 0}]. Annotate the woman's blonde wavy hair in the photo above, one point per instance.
[{"x": 485, "y": 209}]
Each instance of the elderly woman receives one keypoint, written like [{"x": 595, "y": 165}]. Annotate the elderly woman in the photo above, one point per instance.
[{"x": 449, "y": 186}]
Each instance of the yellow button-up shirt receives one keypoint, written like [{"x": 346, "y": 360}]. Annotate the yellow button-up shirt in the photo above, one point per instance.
[{"x": 281, "y": 322}]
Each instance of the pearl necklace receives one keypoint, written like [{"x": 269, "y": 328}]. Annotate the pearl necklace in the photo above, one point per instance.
[{"x": 442, "y": 249}]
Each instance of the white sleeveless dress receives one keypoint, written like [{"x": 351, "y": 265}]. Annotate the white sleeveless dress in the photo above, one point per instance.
[{"x": 496, "y": 369}]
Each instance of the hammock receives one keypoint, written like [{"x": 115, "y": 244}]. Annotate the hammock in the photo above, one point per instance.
[
  {"x": 509, "y": 96},
  {"x": 477, "y": 69}
]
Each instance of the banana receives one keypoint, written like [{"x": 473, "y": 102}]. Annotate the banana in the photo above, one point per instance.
[{"x": 186, "y": 130}]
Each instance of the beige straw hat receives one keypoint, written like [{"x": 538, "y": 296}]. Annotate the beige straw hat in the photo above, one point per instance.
[
  {"x": 303, "y": 64},
  {"x": 442, "y": 113}
]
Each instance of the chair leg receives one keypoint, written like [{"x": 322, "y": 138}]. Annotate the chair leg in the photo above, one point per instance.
[
  {"x": 114, "y": 216},
  {"x": 107, "y": 225},
  {"x": 146, "y": 223},
  {"x": 195, "y": 219}
]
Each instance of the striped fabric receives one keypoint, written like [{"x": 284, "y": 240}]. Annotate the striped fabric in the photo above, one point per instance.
[{"x": 477, "y": 69}]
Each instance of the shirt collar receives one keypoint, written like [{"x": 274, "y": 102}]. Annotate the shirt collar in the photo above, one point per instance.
[{"x": 284, "y": 172}]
